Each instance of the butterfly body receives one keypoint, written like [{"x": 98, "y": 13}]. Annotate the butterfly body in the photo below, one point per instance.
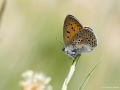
[
  {"x": 74, "y": 52},
  {"x": 77, "y": 39}
]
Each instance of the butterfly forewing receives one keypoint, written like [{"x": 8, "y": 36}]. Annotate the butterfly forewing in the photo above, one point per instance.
[{"x": 71, "y": 27}]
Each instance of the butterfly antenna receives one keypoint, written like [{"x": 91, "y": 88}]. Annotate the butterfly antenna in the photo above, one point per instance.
[{"x": 60, "y": 41}]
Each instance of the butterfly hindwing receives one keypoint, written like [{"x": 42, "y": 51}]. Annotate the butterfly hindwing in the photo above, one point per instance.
[{"x": 84, "y": 37}]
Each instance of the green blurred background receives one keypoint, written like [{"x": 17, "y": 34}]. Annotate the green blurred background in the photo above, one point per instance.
[{"x": 28, "y": 41}]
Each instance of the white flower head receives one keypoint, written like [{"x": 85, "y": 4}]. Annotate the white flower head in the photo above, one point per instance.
[{"x": 35, "y": 81}]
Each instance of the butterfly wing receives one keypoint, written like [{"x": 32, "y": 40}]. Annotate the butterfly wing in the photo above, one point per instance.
[
  {"x": 77, "y": 38},
  {"x": 85, "y": 39},
  {"x": 71, "y": 28}
]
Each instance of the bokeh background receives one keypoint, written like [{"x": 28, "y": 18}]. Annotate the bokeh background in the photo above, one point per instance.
[{"x": 30, "y": 32}]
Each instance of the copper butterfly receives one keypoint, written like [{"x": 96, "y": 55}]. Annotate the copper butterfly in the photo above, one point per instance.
[{"x": 77, "y": 39}]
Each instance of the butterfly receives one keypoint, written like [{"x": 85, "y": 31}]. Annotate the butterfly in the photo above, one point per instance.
[{"x": 77, "y": 39}]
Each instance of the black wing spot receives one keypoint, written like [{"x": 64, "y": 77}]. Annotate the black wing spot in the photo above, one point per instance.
[
  {"x": 90, "y": 43},
  {"x": 92, "y": 39},
  {"x": 77, "y": 34},
  {"x": 67, "y": 36},
  {"x": 69, "y": 24},
  {"x": 88, "y": 40},
  {"x": 68, "y": 32}
]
